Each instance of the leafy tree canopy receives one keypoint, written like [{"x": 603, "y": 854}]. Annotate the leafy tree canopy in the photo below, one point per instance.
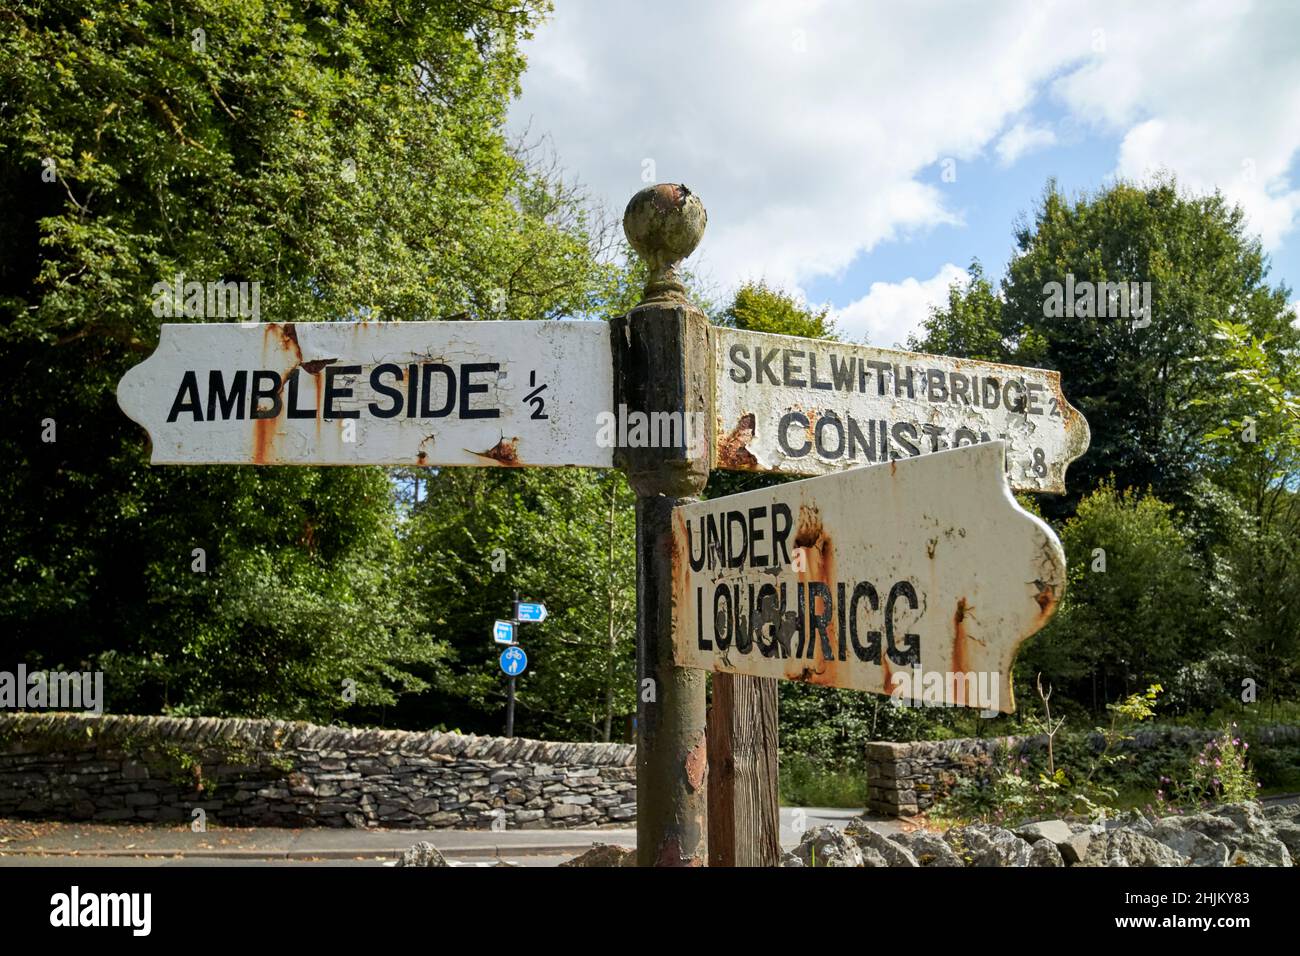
[
  {"x": 1142, "y": 381},
  {"x": 350, "y": 160}
]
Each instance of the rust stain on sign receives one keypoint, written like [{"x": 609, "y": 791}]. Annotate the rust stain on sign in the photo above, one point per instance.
[
  {"x": 731, "y": 447},
  {"x": 814, "y": 407},
  {"x": 818, "y": 579},
  {"x": 263, "y": 440},
  {"x": 809, "y": 532},
  {"x": 505, "y": 452},
  {"x": 288, "y": 336},
  {"x": 960, "y": 637},
  {"x": 872, "y": 578},
  {"x": 238, "y": 394},
  {"x": 1046, "y": 597},
  {"x": 276, "y": 340},
  {"x": 422, "y": 456},
  {"x": 314, "y": 367}
]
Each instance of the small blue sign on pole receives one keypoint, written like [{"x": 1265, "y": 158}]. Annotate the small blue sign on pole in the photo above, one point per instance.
[
  {"x": 514, "y": 660},
  {"x": 527, "y": 612},
  {"x": 503, "y": 632}
]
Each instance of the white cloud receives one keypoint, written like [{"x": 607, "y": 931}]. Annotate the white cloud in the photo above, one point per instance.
[
  {"x": 1022, "y": 139},
  {"x": 813, "y": 132},
  {"x": 807, "y": 148},
  {"x": 891, "y": 310},
  {"x": 1211, "y": 93}
]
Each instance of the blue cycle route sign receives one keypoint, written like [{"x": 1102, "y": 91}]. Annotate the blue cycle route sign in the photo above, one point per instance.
[
  {"x": 503, "y": 632},
  {"x": 530, "y": 613},
  {"x": 514, "y": 660}
]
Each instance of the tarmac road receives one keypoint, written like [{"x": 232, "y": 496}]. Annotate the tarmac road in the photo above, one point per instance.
[{"x": 37, "y": 843}]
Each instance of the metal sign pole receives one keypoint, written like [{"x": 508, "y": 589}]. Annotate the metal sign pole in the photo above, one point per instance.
[
  {"x": 510, "y": 694},
  {"x": 663, "y": 367},
  {"x": 510, "y": 710}
]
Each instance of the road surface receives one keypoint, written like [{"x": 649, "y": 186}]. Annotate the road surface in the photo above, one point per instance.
[{"x": 34, "y": 843}]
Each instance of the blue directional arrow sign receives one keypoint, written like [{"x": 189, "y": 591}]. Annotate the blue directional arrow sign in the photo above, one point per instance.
[
  {"x": 514, "y": 660},
  {"x": 503, "y": 632},
  {"x": 527, "y": 613}
]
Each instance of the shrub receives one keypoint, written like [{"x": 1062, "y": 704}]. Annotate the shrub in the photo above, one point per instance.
[
  {"x": 1032, "y": 785},
  {"x": 1220, "y": 773}
]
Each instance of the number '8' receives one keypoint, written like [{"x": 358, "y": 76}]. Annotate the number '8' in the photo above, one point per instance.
[{"x": 1040, "y": 463}]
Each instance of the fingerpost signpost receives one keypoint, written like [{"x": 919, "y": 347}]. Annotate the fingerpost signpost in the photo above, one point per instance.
[{"x": 901, "y": 565}]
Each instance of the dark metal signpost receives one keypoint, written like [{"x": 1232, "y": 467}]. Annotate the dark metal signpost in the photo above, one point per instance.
[
  {"x": 513, "y": 662},
  {"x": 513, "y": 659},
  {"x": 663, "y": 364},
  {"x": 523, "y": 394}
]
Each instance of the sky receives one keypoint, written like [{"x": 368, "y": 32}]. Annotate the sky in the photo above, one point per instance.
[{"x": 860, "y": 155}]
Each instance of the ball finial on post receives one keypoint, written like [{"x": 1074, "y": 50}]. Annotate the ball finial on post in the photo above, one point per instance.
[{"x": 664, "y": 224}]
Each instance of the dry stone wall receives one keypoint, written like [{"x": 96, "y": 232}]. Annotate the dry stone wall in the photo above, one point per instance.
[
  {"x": 904, "y": 779},
  {"x": 275, "y": 773}
]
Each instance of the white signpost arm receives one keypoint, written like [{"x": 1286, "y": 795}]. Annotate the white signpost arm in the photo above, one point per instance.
[{"x": 918, "y": 579}]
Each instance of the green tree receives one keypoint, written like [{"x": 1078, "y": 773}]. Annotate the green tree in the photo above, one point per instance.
[
  {"x": 971, "y": 325},
  {"x": 1146, "y": 389},
  {"x": 757, "y": 307},
  {"x": 350, "y": 160},
  {"x": 562, "y": 537},
  {"x": 1135, "y": 610},
  {"x": 1258, "y": 442},
  {"x": 1257, "y": 451},
  {"x": 1136, "y": 384},
  {"x": 1264, "y": 617}
]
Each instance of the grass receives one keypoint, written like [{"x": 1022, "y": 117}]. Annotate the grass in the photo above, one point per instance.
[{"x": 805, "y": 783}]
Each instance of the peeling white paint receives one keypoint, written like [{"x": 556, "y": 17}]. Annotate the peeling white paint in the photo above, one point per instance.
[
  {"x": 953, "y": 566},
  {"x": 817, "y": 407},
  {"x": 571, "y": 359}
]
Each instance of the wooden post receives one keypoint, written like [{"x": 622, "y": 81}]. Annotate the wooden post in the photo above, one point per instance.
[
  {"x": 663, "y": 364},
  {"x": 744, "y": 814}
]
